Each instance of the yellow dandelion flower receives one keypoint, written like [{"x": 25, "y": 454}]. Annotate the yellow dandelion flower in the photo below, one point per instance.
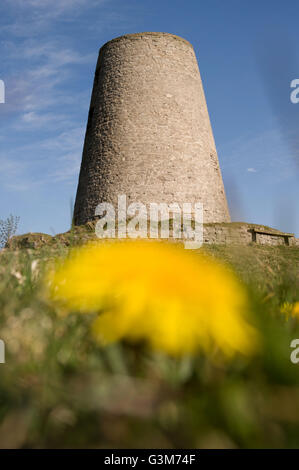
[
  {"x": 295, "y": 311},
  {"x": 290, "y": 309},
  {"x": 179, "y": 302}
]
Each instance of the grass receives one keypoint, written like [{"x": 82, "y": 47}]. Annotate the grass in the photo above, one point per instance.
[{"x": 60, "y": 389}]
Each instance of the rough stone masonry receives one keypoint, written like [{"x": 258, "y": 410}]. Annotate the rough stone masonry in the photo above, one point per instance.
[{"x": 148, "y": 133}]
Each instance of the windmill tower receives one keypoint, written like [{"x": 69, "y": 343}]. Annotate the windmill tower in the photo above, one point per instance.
[{"x": 148, "y": 134}]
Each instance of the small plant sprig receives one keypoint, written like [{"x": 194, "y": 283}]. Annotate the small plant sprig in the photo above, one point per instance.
[{"x": 8, "y": 228}]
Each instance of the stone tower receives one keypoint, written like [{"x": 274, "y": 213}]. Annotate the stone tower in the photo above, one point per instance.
[{"x": 148, "y": 134}]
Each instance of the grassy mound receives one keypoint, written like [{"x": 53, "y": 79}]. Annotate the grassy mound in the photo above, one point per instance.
[{"x": 58, "y": 388}]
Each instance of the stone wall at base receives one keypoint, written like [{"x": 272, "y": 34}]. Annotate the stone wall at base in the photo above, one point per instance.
[
  {"x": 243, "y": 234},
  {"x": 226, "y": 234},
  {"x": 217, "y": 234},
  {"x": 295, "y": 242}
]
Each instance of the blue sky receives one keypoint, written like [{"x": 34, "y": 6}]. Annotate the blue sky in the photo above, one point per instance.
[{"x": 247, "y": 57}]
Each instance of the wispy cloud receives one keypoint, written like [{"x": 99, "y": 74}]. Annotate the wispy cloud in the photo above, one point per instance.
[
  {"x": 43, "y": 120},
  {"x": 259, "y": 153},
  {"x": 58, "y": 159},
  {"x": 42, "y": 69},
  {"x": 38, "y": 15}
]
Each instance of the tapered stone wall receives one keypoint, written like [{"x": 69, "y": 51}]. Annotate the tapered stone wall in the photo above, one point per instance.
[{"x": 148, "y": 134}]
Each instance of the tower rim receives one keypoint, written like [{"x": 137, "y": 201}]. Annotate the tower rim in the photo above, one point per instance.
[{"x": 146, "y": 33}]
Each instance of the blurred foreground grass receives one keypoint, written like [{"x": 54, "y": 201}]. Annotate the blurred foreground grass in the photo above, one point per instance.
[{"x": 59, "y": 388}]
